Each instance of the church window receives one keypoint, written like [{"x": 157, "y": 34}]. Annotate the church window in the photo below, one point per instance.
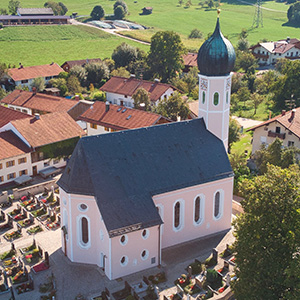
[
  {"x": 145, "y": 234},
  {"x": 124, "y": 239},
  {"x": 216, "y": 98},
  {"x": 198, "y": 210},
  {"x": 218, "y": 205},
  {"x": 203, "y": 97},
  {"x": 124, "y": 260},
  {"x": 84, "y": 230},
  {"x": 82, "y": 207},
  {"x": 144, "y": 254},
  {"x": 178, "y": 215}
]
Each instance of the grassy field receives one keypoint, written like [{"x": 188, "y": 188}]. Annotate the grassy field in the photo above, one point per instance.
[
  {"x": 34, "y": 45},
  {"x": 244, "y": 144}
]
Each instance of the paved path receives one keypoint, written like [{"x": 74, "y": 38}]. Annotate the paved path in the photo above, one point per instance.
[
  {"x": 246, "y": 123},
  {"x": 265, "y": 8}
]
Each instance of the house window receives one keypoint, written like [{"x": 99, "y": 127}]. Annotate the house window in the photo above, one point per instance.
[
  {"x": 46, "y": 164},
  {"x": 22, "y": 160},
  {"x": 24, "y": 81},
  {"x": 153, "y": 260},
  {"x": 10, "y": 163},
  {"x": 84, "y": 230},
  {"x": 41, "y": 155},
  {"x": 198, "y": 210},
  {"x": 48, "y": 77},
  {"x": 216, "y": 98},
  {"x": 94, "y": 126},
  {"x": 292, "y": 53},
  {"x": 144, "y": 254},
  {"x": 23, "y": 172},
  {"x": 11, "y": 176},
  {"x": 218, "y": 205},
  {"x": 277, "y": 129},
  {"x": 126, "y": 96},
  {"x": 124, "y": 261},
  {"x": 56, "y": 161},
  {"x": 145, "y": 234},
  {"x": 0, "y": 166},
  {"x": 178, "y": 213},
  {"x": 1, "y": 179},
  {"x": 123, "y": 239},
  {"x": 258, "y": 51},
  {"x": 106, "y": 128},
  {"x": 113, "y": 130},
  {"x": 203, "y": 97},
  {"x": 290, "y": 144}
]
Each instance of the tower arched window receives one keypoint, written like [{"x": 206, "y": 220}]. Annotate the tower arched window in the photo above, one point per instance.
[
  {"x": 177, "y": 215},
  {"x": 227, "y": 97},
  {"x": 216, "y": 98},
  {"x": 203, "y": 97},
  {"x": 84, "y": 230}
]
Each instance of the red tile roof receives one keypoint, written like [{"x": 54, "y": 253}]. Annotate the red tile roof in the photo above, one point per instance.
[
  {"x": 190, "y": 59},
  {"x": 128, "y": 86},
  {"x": 11, "y": 145},
  {"x": 81, "y": 62},
  {"x": 41, "y": 102},
  {"x": 25, "y": 73},
  {"x": 287, "y": 120},
  {"x": 50, "y": 128},
  {"x": 120, "y": 117},
  {"x": 8, "y": 114}
]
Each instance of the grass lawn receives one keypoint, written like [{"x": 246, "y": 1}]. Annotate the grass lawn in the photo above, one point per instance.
[
  {"x": 244, "y": 144},
  {"x": 34, "y": 45}
]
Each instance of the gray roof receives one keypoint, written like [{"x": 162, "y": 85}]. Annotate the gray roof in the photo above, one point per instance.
[
  {"x": 10, "y": 17},
  {"x": 123, "y": 170},
  {"x": 35, "y": 11}
]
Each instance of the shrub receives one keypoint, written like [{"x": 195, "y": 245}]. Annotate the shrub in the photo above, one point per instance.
[
  {"x": 119, "y": 12},
  {"x": 209, "y": 262},
  {"x": 196, "y": 34}
]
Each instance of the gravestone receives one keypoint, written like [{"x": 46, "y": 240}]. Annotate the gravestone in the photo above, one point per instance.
[
  {"x": 215, "y": 255},
  {"x": 226, "y": 265},
  {"x": 227, "y": 280},
  {"x": 190, "y": 271}
]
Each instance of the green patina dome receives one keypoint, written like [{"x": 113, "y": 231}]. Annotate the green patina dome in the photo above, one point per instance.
[{"x": 216, "y": 56}]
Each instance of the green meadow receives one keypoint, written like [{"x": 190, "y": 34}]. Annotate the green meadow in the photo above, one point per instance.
[{"x": 37, "y": 45}]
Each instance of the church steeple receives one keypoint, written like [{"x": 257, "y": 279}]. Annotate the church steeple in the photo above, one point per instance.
[{"x": 216, "y": 58}]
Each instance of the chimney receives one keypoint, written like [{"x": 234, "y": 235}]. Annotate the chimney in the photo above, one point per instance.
[
  {"x": 106, "y": 106},
  {"x": 37, "y": 116},
  {"x": 87, "y": 61},
  {"x": 288, "y": 39},
  {"x": 293, "y": 114},
  {"x": 34, "y": 90},
  {"x": 132, "y": 76},
  {"x": 76, "y": 97},
  {"x": 20, "y": 66},
  {"x": 283, "y": 112},
  {"x": 156, "y": 80}
]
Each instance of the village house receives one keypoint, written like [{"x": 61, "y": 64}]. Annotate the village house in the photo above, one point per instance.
[
  {"x": 29, "y": 144},
  {"x": 189, "y": 61},
  {"x": 119, "y": 90},
  {"x": 127, "y": 195},
  {"x": 68, "y": 65},
  {"x": 8, "y": 114},
  {"x": 285, "y": 126},
  {"x": 105, "y": 117},
  {"x": 24, "y": 76},
  {"x": 267, "y": 53}
]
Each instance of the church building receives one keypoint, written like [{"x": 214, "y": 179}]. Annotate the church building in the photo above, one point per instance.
[{"x": 127, "y": 195}]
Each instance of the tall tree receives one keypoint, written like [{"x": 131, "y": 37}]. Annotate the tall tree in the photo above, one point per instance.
[
  {"x": 13, "y": 5},
  {"x": 257, "y": 99},
  {"x": 268, "y": 237},
  {"x": 141, "y": 99},
  {"x": 234, "y": 132},
  {"x": 38, "y": 83},
  {"x": 121, "y": 3},
  {"x": 173, "y": 107},
  {"x": 96, "y": 72},
  {"x": 97, "y": 12},
  {"x": 119, "y": 12},
  {"x": 165, "y": 56},
  {"x": 124, "y": 54}
]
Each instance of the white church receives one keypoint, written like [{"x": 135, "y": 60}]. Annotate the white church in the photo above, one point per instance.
[{"x": 127, "y": 195}]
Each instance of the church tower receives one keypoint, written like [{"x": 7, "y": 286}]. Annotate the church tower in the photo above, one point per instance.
[{"x": 216, "y": 58}]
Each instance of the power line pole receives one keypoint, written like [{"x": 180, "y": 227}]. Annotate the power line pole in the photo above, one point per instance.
[{"x": 258, "y": 18}]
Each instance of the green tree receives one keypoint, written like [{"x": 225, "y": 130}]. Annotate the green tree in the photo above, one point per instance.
[
  {"x": 13, "y": 5},
  {"x": 243, "y": 95},
  {"x": 121, "y": 3},
  {"x": 64, "y": 9},
  {"x": 268, "y": 237},
  {"x": 3, "y": 11},
  {"x": 141, "y": 99},
  {"x": 80, "y": 73},
  {"x": 196, "y": 34},
  {"x": 173, "y": 107},
  {"x": 165, "y": 56},
  {"x": 119, "y": 12},
  {"x": 97, "y": 12},
  {"x": 96, "y": 72},
  {"x": 244, "y": 33},
  {"x": 191, "y": 80},
  {"x": 234, "y": 132},
  {"x": 257, "y": 99},
  {"x": 2, "y": 93},
  {"x": 61, "y": 84},
  {"x": 73, "y": 85},
  {"x": 293, "y": 13},
  {"x": 242, "y": 45},
  {"x": 3, "y": 70},
  {"x": 58, "y": 8},
  {"x": 38, "y": 83},
  {"x": 124, "y": 54},
  {"x": 246, "y": 61},
  {"x": 237, "y": 82},
  {"x": 121, "y": 72},
  {"x": 110, "y": 63}
]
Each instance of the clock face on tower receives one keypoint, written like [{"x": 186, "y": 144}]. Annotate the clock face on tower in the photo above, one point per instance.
[{"x": 203, "y": 84}]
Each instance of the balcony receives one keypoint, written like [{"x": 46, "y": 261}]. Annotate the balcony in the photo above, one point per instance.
[{"x": 275, "y": 135}]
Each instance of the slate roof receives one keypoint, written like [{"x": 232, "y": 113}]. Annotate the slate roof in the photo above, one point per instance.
[
  {"x": 11, "y": 145},
  {"x": 286, "y": 120},
  {"x": 25, "y": 73},
  {"x": 123, "y": 170},
  {"x": 128, "y": 86},
  {"x": 48, "y": 129},
  {"x": 41, "y": 102},
  {"x": 8, "y": 114},
  {"x": 120, "y": 117}
]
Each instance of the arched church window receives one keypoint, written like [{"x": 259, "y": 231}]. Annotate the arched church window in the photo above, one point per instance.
[
  {"x": 217, "y": 205},
  {"x": 177, "y": 215},
  {"x": 216, "y": 98},
  {"x": 84, "y": 230},
  {"x": 203, "y": 97},
  {"x": 227, "y": 97}
]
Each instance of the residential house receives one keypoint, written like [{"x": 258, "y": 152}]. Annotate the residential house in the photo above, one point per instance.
[
  {"x": 189, "y": 61},
  {"x": 119, "y": 90},
  {"x": 44, "y": 11},
  {"x": 68, "y": 65},
  {"x": 127, "y": 195},
  {"x": 29, "y": 142},
  {"x": 105, "y": 117},
  {"x": 8, "y": 114},
  {"x": 285, "y": 126},
  {"x": 24, "y": 76},
  {"x": 267, "y": 53}
]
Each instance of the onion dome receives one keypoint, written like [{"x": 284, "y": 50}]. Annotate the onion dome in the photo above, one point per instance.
[{"x": 216, "y": 56}]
